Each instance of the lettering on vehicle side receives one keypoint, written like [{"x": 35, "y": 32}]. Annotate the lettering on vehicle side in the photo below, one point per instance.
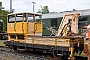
[{"x": 11, "y": 25}]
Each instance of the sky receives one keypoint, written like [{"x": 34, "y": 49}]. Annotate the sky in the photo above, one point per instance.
[{"x": 53, "y": 5}]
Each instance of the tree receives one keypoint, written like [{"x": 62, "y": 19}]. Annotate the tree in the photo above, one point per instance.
[
  {"x": 0, "y": 3},
  {"x": 3, "y": 17},
  {"x": 43, "y": 10}
]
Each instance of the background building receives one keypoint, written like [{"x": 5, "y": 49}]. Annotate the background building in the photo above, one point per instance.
[{"x": 54, "y": 19}]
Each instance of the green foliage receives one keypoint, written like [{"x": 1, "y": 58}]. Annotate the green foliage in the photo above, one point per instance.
[
  {"x": 3, "y": 16},
  {"x": 43, "y": 10},
  {"x": 0, "y": 3},
  {"x": 2, "y": 43}
]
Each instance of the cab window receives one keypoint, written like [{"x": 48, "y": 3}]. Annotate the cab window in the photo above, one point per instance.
[
  {"x": 30, "y": 18},
  {"x": 38, "y": 18},
  {"x": 11, "y": 18},
  {"x": 19, "y": 17}
]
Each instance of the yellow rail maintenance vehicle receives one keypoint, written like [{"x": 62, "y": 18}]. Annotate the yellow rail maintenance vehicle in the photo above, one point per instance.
[{"x": 25, "y": 33}]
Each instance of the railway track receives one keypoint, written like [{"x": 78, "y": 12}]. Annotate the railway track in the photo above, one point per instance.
[{"x": 25, "y": 55}]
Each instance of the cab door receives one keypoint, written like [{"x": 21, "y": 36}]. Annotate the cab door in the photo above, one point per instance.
[
  {"x": 31, "y": 24},
  {"x": 34, "y": 24},
  {"x": 11, "y": 24},
  {"x": 38, "y": 25},
  {"x": 19, "y": 23}
]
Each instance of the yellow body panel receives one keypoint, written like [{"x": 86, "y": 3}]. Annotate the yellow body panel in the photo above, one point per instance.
[
  {"x": 19, "y": 27},
  {"x": 63, "y": 42},
  {"x": 10, "y": 27},
  {"x": 25, "y": 27},
  {"x": 35, "y": 28},
  {"x": 31, "y": 28},
  {"x": 38, "y": 27},
  {"x": 49, "y": 41}
]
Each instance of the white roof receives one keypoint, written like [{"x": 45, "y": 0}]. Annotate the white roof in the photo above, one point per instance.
[
  {"x": 24, "y": 12},
  {"x": 61, "y": 14}
]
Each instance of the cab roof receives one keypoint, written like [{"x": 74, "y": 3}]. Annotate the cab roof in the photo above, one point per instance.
[{"x": 25, "y": 12}]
